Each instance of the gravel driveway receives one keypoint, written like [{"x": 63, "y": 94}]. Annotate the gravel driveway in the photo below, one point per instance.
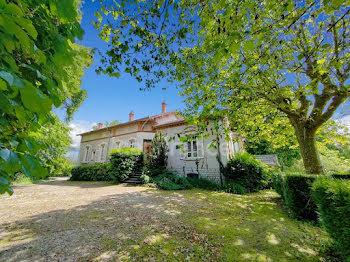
[{"x": 76, "y": 221}]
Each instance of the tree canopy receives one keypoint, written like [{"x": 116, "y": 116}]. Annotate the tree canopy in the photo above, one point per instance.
[
  {"x": 40, "y": 69},
  {"x": 291, "y": 57}
]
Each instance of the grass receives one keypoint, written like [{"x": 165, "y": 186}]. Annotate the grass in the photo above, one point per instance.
[{"x": 251, "y": 227}]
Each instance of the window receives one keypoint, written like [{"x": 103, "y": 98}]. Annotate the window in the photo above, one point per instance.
[
  {"x": 87, "y": 153},
  {"x": 117, "y": 144},
  {"x": 236, "y": 146},
  {"x": 192, "y": 150},
  {"x": 132, "y": 143},
  {"x": 103, "y": 152},
  {"x": 93, "y": 155}
]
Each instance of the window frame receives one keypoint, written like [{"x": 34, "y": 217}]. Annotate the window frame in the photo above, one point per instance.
[
  {"x": 87, "y": 154},
  {"x": 102, "y": 157}
]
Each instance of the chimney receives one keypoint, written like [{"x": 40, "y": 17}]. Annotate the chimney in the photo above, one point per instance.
[
  {"x": 163, "y": 107},
  {"x": 131, "y": 116},
  {"x": 100, "y": 125}
]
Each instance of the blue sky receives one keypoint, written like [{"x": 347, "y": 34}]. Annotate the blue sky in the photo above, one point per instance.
[{"x": 111, "y": 98}]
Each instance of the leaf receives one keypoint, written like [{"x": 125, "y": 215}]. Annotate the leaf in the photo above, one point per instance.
[
  {"x": 249, "y": 46},
  {"x": 321, "y": 61},
  {"x": 11, "y": 160},
  {"x": 3, "y": 85},
  {"x": 34, "y": 100},
  {"x": 32, "y": 167}
]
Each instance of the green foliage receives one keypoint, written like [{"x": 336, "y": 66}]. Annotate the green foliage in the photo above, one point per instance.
[
  {"x": 107, "y": 124},
  {"x": 296, "y": 189},
  {"x": 40, "y": 68},
  {"x": 169, "y": 180},
  {"x": 333, "y": 202},
  {"x": 144, "y": 179},
  {"x": 245, "y": 170},
  {"x": 158, "y": 157},
  {"x": 278, "y": 183},
  {"x": 56, "y": 140},
  {"x": 96, "y": 172},
  {"x": 229, "y": 58},
  {"x": 343, "y": 176},
  {"x": 331, "y": 160},
  {"x": 203, "y": 183},
  {"x": 124, "y": 162}
]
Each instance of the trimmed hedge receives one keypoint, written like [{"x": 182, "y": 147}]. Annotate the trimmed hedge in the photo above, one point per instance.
[
  {"x": 97, "y": 172},
  {"x": 333, "y": 201},
  {"x": 246, "y": 171},
  {"x": 344, "y": 176},
  {"x": 295, "y": 189},
  {"x": 278, "y": 183},
  {"x": 124, "y": 162}
]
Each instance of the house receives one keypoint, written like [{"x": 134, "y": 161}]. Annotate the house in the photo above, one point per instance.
[{"x": 191, "y": 158}]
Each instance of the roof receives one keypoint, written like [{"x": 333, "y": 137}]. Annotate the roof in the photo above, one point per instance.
[
  {"x": 271, "y": 160},
  {"x": 122, "y": 124},
  {"x": 138, "y": 120}
]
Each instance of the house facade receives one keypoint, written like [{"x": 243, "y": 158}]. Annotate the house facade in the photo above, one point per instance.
[{"x": 190, "y": 158}]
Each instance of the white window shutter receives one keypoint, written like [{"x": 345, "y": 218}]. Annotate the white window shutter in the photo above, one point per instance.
[
  {"x": 97, "y": 157},
  {"x": 200, "y": 147}
]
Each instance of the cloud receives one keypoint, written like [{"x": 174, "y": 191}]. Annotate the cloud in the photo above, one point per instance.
[
  {"x": 345, "y": 120},
  {"x": 77, "y": 127}
]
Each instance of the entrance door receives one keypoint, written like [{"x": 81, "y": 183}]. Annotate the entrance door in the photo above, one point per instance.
[{"x": 147, "y": 146}]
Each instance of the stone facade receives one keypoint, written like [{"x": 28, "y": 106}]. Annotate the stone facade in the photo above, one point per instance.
[{"x": 195, "y": 158}]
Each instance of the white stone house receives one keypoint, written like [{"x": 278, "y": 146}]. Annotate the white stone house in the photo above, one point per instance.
[{"x": 194, "y": 158}]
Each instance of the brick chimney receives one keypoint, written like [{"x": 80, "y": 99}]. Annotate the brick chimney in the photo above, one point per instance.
[
  {"x": 100, "y": 125},
  {"x": 131, "y": 116},
  {"x": 163, "y": 107}
]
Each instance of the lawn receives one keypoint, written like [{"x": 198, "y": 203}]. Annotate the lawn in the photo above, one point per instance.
[{"x": 65, "y": 221}]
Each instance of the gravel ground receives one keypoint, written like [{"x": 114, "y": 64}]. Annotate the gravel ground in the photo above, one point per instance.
[{"x": 76, "y": 221}]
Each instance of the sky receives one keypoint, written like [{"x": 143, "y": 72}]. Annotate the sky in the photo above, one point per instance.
[{"x": 111, "y": 98}]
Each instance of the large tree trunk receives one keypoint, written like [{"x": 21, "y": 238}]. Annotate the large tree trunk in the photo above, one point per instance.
[{"x": 308, "y": 148}]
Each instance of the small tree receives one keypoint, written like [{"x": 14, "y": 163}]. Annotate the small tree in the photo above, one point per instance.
[{"x": 158, "y": 158}]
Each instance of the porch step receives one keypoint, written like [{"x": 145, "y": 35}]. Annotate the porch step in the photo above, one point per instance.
[{"x": 134, "y": 179}]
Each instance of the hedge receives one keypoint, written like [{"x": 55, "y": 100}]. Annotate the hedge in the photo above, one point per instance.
[
  {"x": 333, "y": 202},
  {"x": 246, "y": 171},
  {"x": 295, "y": 189},
  {"x": 345, "y": 176},
  {"x": 97, "y": 172},
  {"x": 124, "y": 162}
]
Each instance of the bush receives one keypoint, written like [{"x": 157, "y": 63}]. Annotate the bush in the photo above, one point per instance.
[
  {"x": 97, "y": 172},
  {"x": 203, "y": 183},
  {"x": 333, "y": 201},
  {"x": 296, "y": 190},
  {"x": 234, "y": 188},
  {"x": 246, "y": 171},
  {"x": 344, "y": 176},
  {"x": 168, "y": 180},
  {"x": 144, "y": 179},
  {"x": 278, "y": 183},
  {"x": 124, "y": 162}
]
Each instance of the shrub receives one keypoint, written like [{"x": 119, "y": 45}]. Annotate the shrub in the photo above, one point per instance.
[
  {"x": 344, "y": 176},
  {"x": 296, "y": 189},
  {"x": 246, "y": 171},
  {"x": 333, "y": 201},
  {"x": 124, "y": 162},
  {"x": 203, "y": 183},
  {"x": 234, "y": 188},
  {"x": 97, "y": 172},
  {"x": 168, "y": 180},
  {"x": 278, "y": 183},
  {"x": 144, "y": 179}
]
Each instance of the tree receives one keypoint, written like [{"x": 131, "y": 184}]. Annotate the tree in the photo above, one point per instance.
[
  {"x": 293, "y": 56},
  {"x": 40, "y": 68},
  {"x": 56, "y": 140},
  {"x": 159, "y": 153}
]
